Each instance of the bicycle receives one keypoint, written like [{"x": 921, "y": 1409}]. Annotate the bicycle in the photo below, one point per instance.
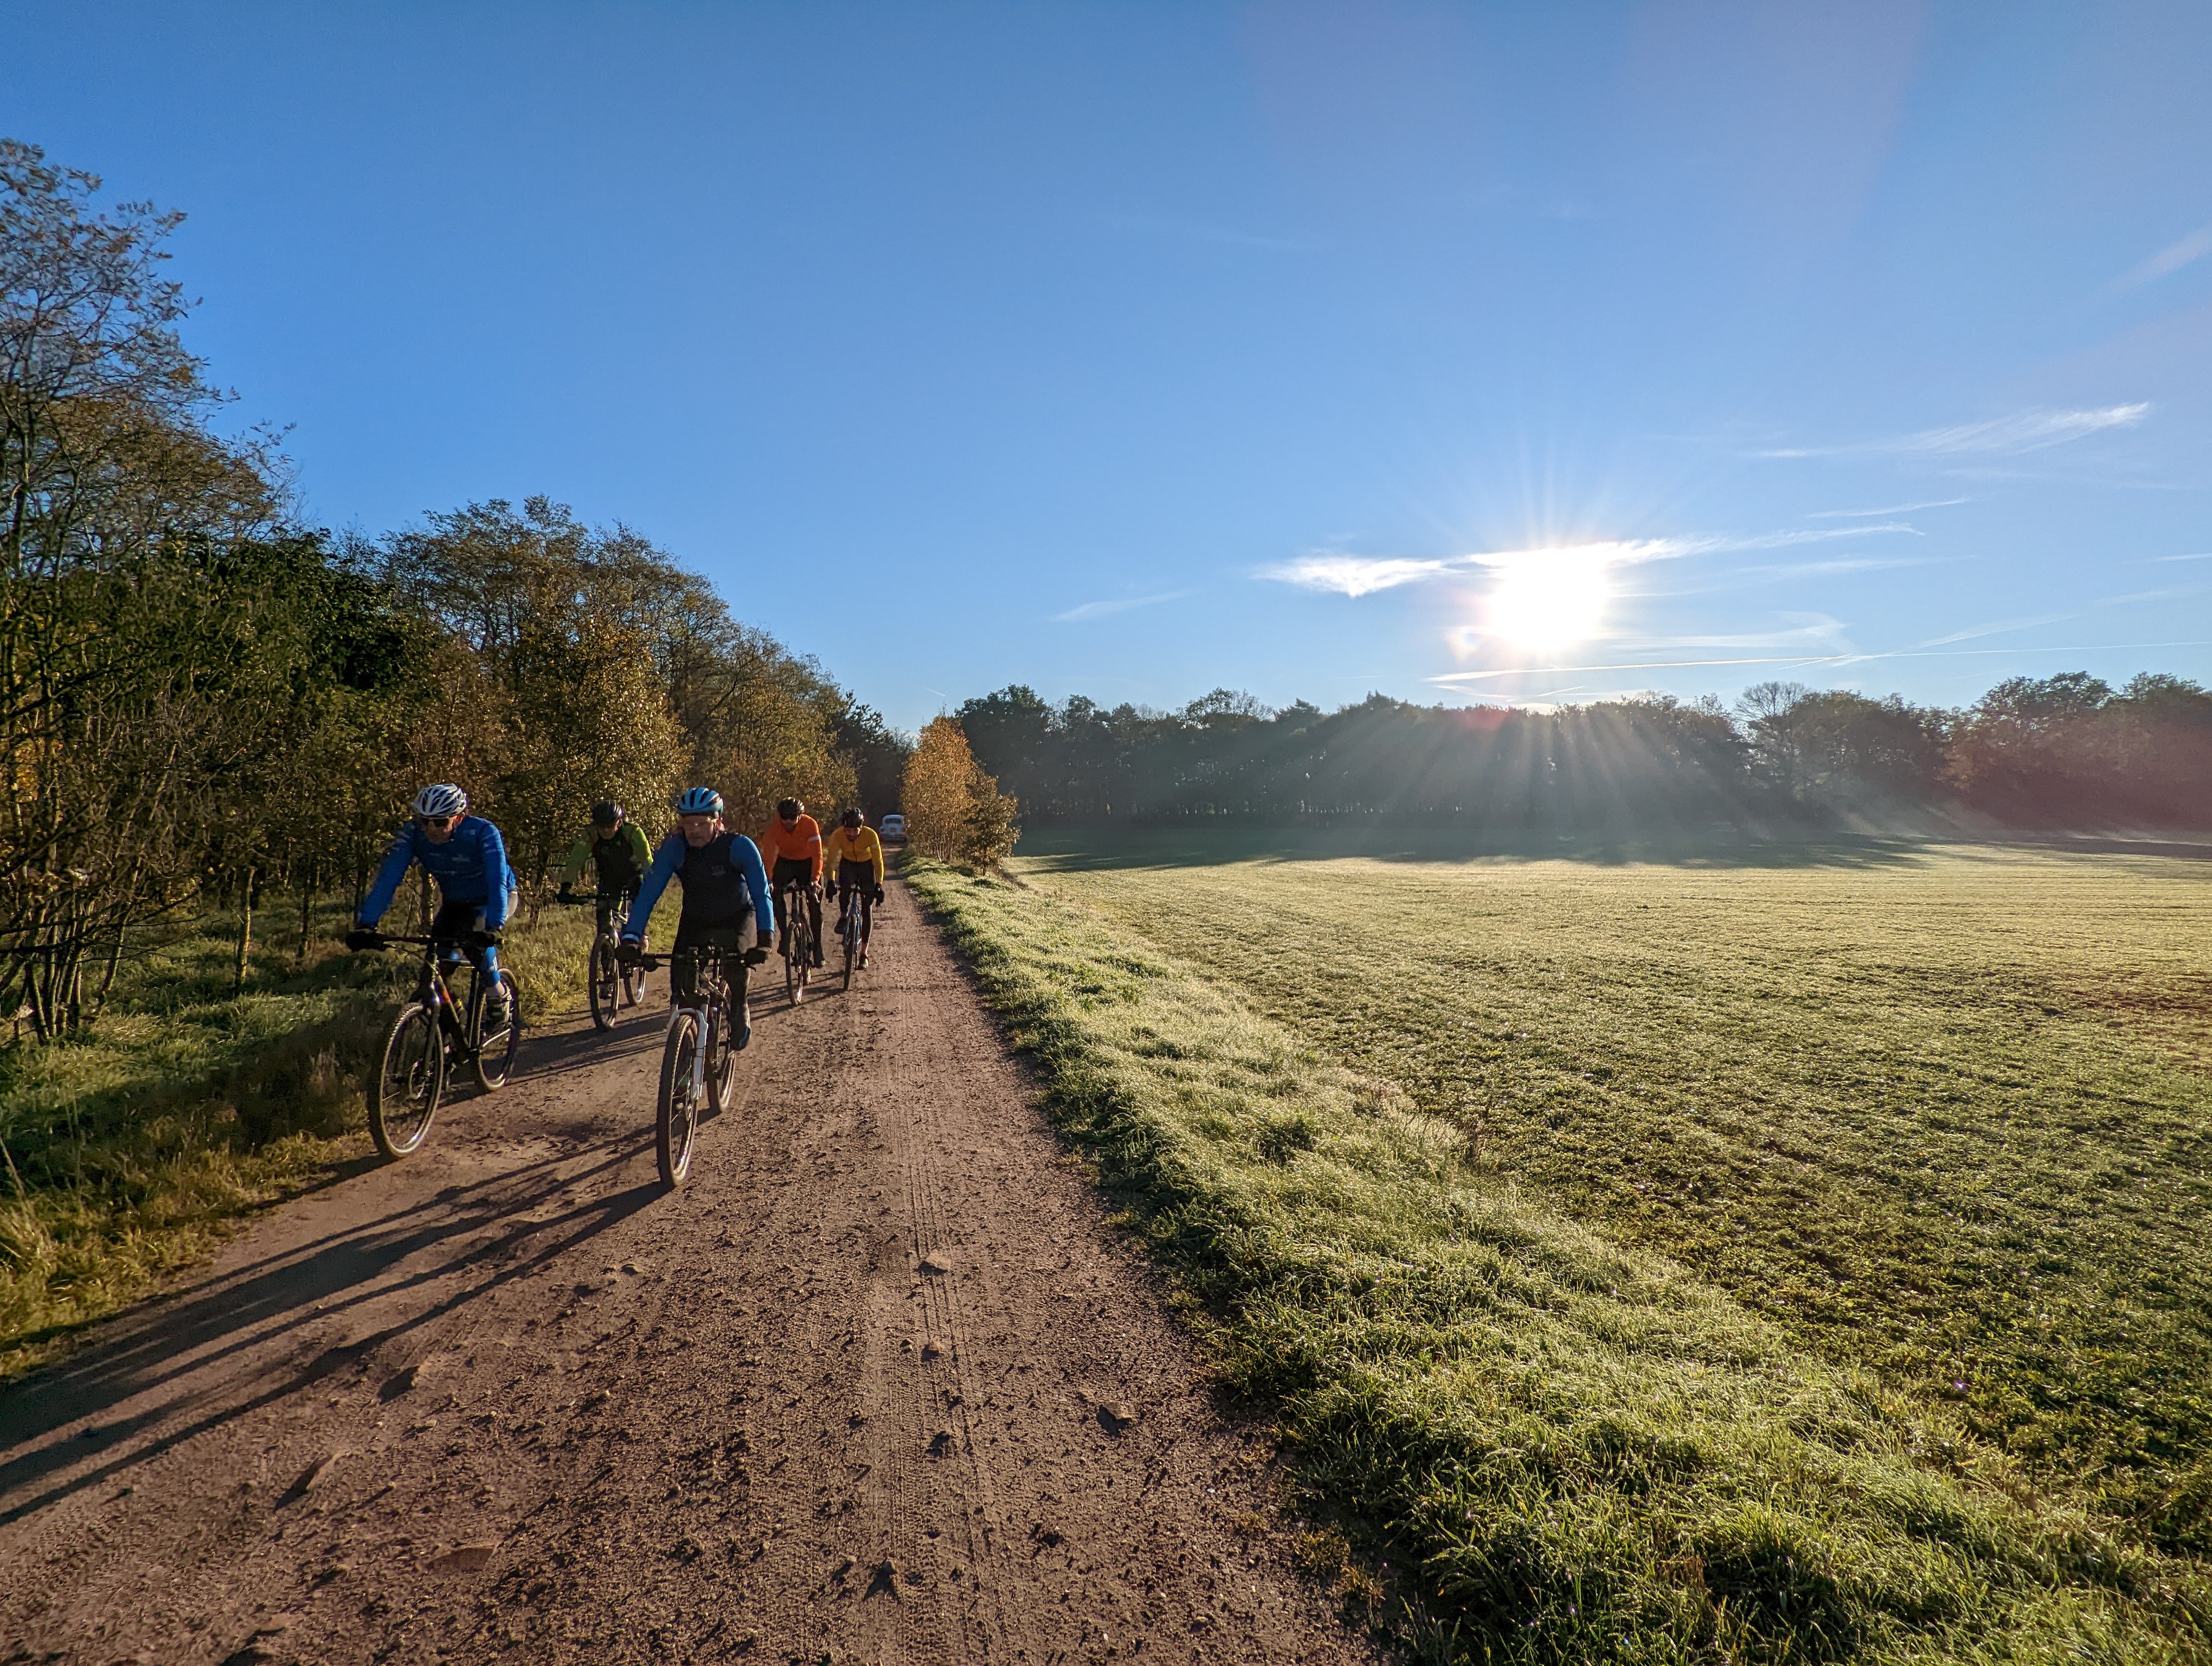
[
  {"x": 849, "y": 940},
  {"x": 432, "y": 1034},
  {"x": 798, "y": 939},
  {"x": 697, "y": 1063},
  {"x": 613, "y": 985}
]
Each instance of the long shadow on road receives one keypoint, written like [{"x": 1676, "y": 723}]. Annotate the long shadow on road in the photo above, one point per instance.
[{"x": 491, "y": 1232}]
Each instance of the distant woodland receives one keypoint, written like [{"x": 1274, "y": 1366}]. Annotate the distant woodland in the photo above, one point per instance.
[{"x": 2063, "y": 752}]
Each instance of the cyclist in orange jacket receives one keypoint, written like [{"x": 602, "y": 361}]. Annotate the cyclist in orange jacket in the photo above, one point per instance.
[{"x": 791, "y": 842}]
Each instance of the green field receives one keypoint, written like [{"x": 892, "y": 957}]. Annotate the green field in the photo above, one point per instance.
[{"x": 1895, "y": 1156}]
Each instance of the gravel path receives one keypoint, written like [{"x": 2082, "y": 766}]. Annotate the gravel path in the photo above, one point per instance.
[{"x": 879, "y": 1384}]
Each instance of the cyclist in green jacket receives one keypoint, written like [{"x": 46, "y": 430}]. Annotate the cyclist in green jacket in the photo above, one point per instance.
[{"x": 617, "y": 849}]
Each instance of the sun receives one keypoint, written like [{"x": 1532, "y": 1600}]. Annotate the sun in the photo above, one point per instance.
[{"x": 1542, "y": 599}]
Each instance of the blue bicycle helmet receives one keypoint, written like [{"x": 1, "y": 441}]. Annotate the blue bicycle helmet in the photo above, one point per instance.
[
  {"x": 443, "y": 799},
  {"x": 700, "y": 801}
]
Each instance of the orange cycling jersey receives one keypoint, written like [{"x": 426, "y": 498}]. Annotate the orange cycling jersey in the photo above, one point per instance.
[{"x": 800, "y": 841}]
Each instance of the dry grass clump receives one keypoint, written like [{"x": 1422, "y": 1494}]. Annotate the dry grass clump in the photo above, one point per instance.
[{"x": 1549, "y": 1446}]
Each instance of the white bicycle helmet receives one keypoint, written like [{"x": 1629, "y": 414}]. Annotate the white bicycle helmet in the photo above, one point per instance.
[
  {"x": 700, "y": 801},
  {"x": 443, "y": 799}
]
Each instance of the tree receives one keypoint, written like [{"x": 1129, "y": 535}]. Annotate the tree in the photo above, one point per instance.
[
  {"x": 954, "y": 810},
  {"x": 138, "y": 663}
]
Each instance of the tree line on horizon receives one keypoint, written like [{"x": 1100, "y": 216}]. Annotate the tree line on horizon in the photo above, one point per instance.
[
  {"x": 203, "y": 699},
  {"x": 2068, "y": 751}
]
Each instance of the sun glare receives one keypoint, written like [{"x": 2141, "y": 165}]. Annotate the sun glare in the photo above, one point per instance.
[{"x": 1541, "y": 600}]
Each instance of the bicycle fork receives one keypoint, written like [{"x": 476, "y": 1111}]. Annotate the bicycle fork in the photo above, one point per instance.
[{"x": 698, "y": 1053}]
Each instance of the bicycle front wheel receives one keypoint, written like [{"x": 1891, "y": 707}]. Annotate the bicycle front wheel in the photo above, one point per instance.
[
  {"x": 496, "y": 1047},
  {"x": 794, "y": 966},
  {"x": 722, "y": 1063},
  {"x": 606, "y": 984},
  {"x": 678, "y": 1122},
  {"x": 410, "y": 1077},
  {"x": 850, "y": 932}
]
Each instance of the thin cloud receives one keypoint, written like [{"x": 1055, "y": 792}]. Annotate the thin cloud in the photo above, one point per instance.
[
  {"x": 1120, "y": 604},
  {"x": 1743, "y": 578},
  {"x": 2150, "y": 595},
  {"x": 1362, "y": 575},
  {"x": 1814, "y": 633},
  {"x": 1894, "y": 509},
  {"x": 1995, "y": 628},
  {"x": 2168, "y": 260},
  {"x": 2205, "y": 555},
  {"x": 1814, "y": 535},
  {"x": 1642, "y": 665},
  {"x": 2023, "y": 431},
  {"x": 1814, "y": 569},
  {"x": 1343, "y": 574},
  {"x": 1615, "y": 552},
  {"x": 1352, "y": 576},
  {"x": 1458, "y": 677}
]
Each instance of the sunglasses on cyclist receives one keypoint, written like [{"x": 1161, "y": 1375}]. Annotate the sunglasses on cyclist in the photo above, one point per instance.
[{"x": 439, "y": 823}]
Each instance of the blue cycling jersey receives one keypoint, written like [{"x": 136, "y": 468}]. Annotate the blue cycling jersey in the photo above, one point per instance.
[
  {"x": 470, "y": 867},
  {"x": 720, "y": 878}
]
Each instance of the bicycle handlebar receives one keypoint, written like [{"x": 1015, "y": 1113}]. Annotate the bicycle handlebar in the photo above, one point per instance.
[{"x": 654, "y": 963}]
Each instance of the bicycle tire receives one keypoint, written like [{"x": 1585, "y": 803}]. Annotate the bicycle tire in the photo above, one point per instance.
[
  {"x": 400, "y": 1121},
  {"x": 633, "y": 986},
  {"x": 797, "y": 952},
  {"x": 850, "y": 932},
  {"x": 494, "y": 1059},
  {"x": 676, "y": 1129},
  {"x": 607, "y": 978}
]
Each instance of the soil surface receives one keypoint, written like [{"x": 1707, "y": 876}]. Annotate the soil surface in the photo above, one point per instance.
[{"x": 879, "y": 1383}]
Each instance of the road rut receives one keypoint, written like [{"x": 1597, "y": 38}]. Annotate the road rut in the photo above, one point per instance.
[{"x": 879, "y": 1384}]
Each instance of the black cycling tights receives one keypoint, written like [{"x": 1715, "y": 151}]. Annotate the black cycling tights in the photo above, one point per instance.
[{"x": 868, "y": 905}]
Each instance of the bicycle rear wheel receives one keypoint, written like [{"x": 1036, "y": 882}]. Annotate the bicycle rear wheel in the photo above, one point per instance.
[
  {"x": 496, "y": 1049},
  {"x": 796, "y": 950},
  {"x": 678, "y": 1125},
  {"x": 411, "y": 1076},
  {"x": 607, "y": 979}
]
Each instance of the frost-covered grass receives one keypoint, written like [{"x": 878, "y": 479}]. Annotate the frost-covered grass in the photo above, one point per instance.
[{"x": 1551, "y": 1440}]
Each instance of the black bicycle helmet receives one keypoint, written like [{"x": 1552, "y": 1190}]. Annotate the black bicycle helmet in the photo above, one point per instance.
[
  {"x": 788, "y": 809},
  {"x": 851, "y": 819},
  {"x": 605, "y": 813}
]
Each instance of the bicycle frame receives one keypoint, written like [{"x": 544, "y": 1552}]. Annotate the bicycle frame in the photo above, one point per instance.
[
  {"x": 709, "y": 984},
  {"x": 455, "y": 1021}
]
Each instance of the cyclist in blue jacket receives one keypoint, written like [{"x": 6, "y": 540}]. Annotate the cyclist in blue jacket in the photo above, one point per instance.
[
  {"x": 724, "y": 888},
  {"x": 468, "y": 859}
]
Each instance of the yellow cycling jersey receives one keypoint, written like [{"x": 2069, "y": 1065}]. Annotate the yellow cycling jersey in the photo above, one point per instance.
[{"x": 852, "y": 844}]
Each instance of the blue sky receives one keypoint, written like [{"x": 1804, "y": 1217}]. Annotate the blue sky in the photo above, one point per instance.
[{"x": 1461, "y": 352}]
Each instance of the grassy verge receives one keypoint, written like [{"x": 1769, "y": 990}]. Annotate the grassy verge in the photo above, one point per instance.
[
  {"x": 1944, "y": 1111},
  {"x": 127, "y": 1152},
  {"x": 1551, "y": 1445}
]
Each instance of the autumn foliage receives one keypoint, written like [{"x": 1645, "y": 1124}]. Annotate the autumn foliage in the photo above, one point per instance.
[{"x": 954, "y": 810}]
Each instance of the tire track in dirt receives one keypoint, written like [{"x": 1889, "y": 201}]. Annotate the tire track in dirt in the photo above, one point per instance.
[{"x": 879, "y": 1384}]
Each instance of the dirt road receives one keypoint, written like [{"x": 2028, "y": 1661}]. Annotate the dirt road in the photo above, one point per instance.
[{"x": 877, "y": 1385}]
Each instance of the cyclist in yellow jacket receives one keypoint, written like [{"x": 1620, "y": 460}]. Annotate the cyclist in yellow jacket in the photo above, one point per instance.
[{"x": 853, "y": 857}]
